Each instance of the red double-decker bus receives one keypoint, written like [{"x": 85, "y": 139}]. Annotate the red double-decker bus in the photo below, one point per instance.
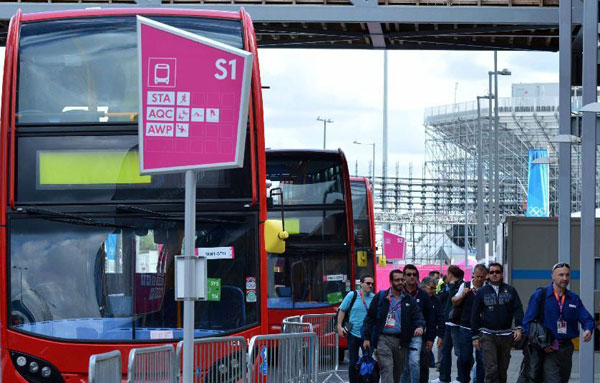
[
  {"x": 88, "y": 244},
  {"x": 310, "y": 190},
  {"x": 364, "y": 226}
]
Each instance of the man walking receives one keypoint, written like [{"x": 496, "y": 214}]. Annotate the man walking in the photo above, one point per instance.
[
  {"x": 563, "y": 311},
  {"x": 393, "y": 319},
  {"x": 464, "y": 300},
  {"x": 450, "y": 334},
  {"x": 418, "y": 344},
  {"x": 355, "y": 306},
  {"x": 494, "y": 308},
  {"x": 429, "y": 284}
]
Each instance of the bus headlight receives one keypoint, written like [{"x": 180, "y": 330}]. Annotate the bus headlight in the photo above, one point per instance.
[{"x": 35, "y": 370}]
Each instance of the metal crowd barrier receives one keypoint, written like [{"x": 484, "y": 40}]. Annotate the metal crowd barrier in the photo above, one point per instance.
[
  {"x": 329, "y": 343},
  {"x": 279, "y": 358},
  {"x": 218, "y": 360},
  {"x": 152, "y": 365},
  {"x": 290, "y": 327},
  {"x": 105, "y": 368}
]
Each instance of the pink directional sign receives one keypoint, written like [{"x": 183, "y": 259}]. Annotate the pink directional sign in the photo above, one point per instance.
[
  {"x": 394, "y": 245},
  {"x": 193, "y": 100}
]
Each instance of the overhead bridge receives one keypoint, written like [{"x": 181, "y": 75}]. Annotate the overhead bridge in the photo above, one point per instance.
[{"x": 369, "y": 24}]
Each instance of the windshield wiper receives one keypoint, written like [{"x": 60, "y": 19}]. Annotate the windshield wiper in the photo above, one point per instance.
[
  {"x": 154, "y": 213},
  {"x": 66, "y": 217}
]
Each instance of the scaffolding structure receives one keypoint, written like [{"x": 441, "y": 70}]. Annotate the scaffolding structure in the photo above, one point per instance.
[{"x": 436, "y": 212}]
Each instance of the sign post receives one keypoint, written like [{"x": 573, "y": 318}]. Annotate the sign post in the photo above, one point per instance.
[{"x": 193, "y": 97}]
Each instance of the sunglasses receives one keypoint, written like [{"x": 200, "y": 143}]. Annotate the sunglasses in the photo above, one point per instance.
[
  {"x": 410, "y": 274},
  {"x": 368, "y": 283},
  {"x": 495, "y": 272},
  {"x": 561, "y": 264}
]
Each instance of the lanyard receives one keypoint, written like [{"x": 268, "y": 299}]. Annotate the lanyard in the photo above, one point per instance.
[
  {"x": 392, "y": 308},
  {"x": 362, "y": 298},
  {"x": 561, "y": 302}
]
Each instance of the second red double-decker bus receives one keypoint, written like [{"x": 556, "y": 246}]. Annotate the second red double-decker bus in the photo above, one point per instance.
[
  {"x": 364, "y": 226},
  {"x": 87, "y": 243},
  {"x": 311, "y": 189}
]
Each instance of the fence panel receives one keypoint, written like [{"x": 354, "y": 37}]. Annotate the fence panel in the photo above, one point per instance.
[
  {"x": 152, "y": 365},
  {"x": 289, "y": 358},
  {"x": 105, "y": 368},
  {"x": 329, "y": 343},
  {"x": 218, "y": 360},
  {"x": 288, "y": 327}
]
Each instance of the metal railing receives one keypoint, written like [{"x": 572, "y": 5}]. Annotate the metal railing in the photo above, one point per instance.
[
  {"x": 105, "y": 368},
  {"x": 290, "y": 327},
  {"x": 289, "y": 358},
  {"x": 218, "y": 360},
  {"x": 152, "y": 365},
  {"x": 329, "y": 343}
]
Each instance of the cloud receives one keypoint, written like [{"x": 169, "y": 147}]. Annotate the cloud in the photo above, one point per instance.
[{"x": 347, "y": 87}]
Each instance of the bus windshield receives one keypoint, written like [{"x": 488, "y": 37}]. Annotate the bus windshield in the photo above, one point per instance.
[
  {"x": 315, "y": 270},
  {"x": 84, "y": 70},
  {"x": 360, "y": 212},
  {"x": 122, "y": 270}
]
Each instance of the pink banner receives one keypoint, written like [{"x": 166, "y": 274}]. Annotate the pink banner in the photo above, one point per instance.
[
  {"x": 394, "y": 246},
  {"x": 193, "y": 98}
]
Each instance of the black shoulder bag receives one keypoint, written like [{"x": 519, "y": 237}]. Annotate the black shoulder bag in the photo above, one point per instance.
[
  {"x": 456, "y": 311},
  {"x": 346, "y": 325},
  {"x": 539, "y": 336}
]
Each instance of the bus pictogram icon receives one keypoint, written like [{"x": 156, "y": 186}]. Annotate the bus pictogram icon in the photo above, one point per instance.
[{"x": 162, "y": 72}]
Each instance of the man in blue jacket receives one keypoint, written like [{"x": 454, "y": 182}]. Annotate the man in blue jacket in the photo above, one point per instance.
[
  {"x": 563, "y": 311},
  {"x": 394, "y": 317}
]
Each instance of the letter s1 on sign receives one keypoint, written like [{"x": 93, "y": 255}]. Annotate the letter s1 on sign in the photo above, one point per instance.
[{"x": 220, "y": 64}]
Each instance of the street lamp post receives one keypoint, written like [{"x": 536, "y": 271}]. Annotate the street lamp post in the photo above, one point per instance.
[
  {"x": 325, "y": 121},
  {"x": 373, "y": 164},
  {"x": 495, "y": 73},
  {"x": 480, "y": 212}
]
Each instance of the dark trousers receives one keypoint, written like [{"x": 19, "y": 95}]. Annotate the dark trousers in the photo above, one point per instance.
[
  {"x": 354, "y": 344},
  {"x": 465, "y": 355},
  {"x": 450, "y": 340},
  {"x": 555, "y": 366},
  {"x": 479, "y": 372},
  {"x": 425, "y": 362},
  {"x": 496, "y": 356}
]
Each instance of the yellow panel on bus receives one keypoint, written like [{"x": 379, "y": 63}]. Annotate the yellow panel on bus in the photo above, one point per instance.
[{"x": 90, "y": 168}]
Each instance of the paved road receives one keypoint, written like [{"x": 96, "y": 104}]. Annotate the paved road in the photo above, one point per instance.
[{"x": 513, "y": 371}]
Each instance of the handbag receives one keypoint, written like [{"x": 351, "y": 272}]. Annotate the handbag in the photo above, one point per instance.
[
  {"x": 539, "y": 336},
  {"x": 346, "y": 325},
  {"x": 367, "y": 369}
]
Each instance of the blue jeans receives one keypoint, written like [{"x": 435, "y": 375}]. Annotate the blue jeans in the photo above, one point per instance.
[
  {"x": 450, "y": 339},
  {"x": 478, "y": 371},
  {"x": 465, "y": 355},
  {"x": 354, "y": 344},
  {"x": 413, "y": 363}
]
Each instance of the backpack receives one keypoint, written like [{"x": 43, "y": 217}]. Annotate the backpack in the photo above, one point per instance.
[{"x": 456, "y": 311}]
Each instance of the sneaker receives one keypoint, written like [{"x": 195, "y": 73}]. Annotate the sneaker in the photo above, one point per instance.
[
  {"x": 455, "y": 381},
  {"x": 437, "y": 381}
]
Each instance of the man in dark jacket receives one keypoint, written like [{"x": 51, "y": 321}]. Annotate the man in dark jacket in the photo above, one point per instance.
[
  {"x": 563, "y": 312},
  {"x": 429, "y": 284},
  {"x": 494, "y": 308},
  {"x": 393, "y": 319},
  {"x": 464, "y": 300},
  {"x": 418, "y": 344}
]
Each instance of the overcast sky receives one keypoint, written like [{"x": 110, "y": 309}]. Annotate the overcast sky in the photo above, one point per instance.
[{"x": 347, "y": 87}]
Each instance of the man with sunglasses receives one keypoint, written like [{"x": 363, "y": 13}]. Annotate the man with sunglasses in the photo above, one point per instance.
[
  {"x": 563, "y": 312},
  {"x": 418, "y": 345},
  {"x": 394, "y": 317},
  {"x": 495, "y": 307},
  {"x": 356, "y": 306}
]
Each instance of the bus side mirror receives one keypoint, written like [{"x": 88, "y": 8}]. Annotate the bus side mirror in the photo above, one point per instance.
[
  {"x": 361, "y": 258},
  {"x": 275, "y": 236},
  {"x": 382, "y": 261}
]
